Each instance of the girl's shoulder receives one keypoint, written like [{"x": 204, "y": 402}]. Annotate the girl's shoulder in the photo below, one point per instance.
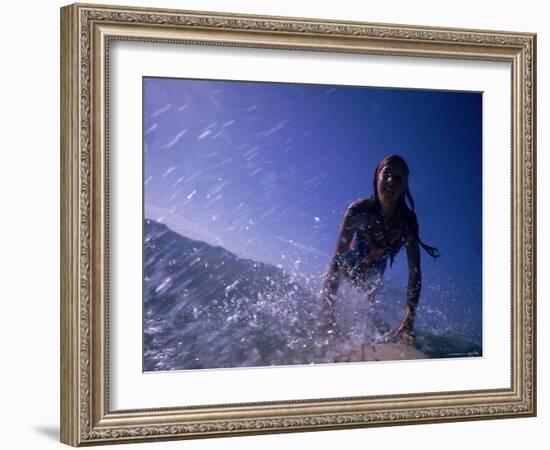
[
  {"x": 411, "y": 223},
  {"x": 362, "y": 206},
  {"x": 409, "y": 214}
]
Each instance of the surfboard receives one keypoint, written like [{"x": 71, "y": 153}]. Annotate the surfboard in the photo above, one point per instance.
[{"x": 382, "y": 352}]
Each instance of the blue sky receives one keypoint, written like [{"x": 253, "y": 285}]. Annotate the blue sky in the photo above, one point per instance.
[{"x": 266, "y": 170}]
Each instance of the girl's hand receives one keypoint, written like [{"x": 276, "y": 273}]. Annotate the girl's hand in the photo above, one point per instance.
[
  {"x": 404, "y": 334},
  {"x": 326, "y": 305},
  {"x": 402, "y": 337},
  {"x": 327, "y": 309}
]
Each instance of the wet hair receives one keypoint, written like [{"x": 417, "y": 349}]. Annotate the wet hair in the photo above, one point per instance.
[{"x": 404, "y": 198}]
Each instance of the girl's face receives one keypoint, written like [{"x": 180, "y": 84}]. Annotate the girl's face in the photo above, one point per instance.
[{"x": 391, "y": 183}]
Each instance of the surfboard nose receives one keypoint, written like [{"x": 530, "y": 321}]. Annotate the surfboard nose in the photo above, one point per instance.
[{"x": 382, "y": 352}]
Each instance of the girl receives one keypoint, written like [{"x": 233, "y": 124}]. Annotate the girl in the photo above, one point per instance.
[{"x": 375, "y": 230}]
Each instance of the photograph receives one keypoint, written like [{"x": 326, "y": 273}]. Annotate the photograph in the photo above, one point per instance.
[{"x": 293, "y": 224}]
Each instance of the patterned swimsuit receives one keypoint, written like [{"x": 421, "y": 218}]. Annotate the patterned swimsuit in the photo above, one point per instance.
[{"x": 375, "y": 240}]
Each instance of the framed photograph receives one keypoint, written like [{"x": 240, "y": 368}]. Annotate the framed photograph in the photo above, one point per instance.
[{"x": 276, "y": 224}]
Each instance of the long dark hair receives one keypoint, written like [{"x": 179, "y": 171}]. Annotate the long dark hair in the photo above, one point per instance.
[{"x": 404, "y": 198}]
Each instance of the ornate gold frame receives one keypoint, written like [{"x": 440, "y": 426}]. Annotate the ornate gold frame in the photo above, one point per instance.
[{"x": 86, "y": 31}]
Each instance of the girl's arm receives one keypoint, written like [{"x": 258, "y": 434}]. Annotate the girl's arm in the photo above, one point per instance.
[
  {"x": 332, "y": 277},
  {"x": 414, "y": 286}
]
